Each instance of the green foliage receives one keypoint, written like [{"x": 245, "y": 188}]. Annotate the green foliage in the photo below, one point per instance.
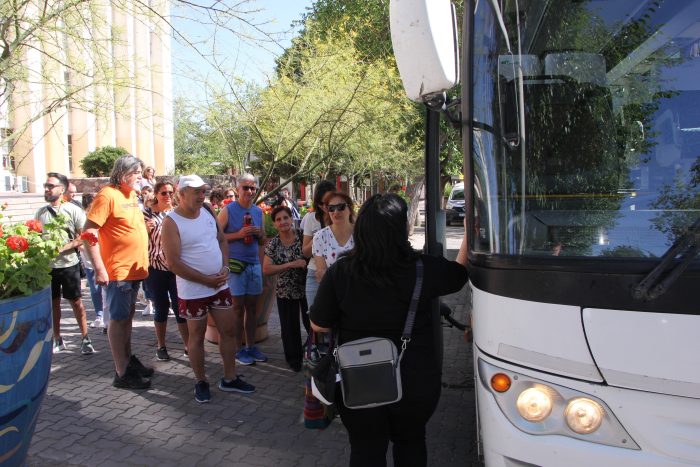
[
  {"x": 336, "y": 105},
  {"x": 99, "y": 162},
  {"x": 26, "y": 252},
  {"x": 217, "y": 137}
]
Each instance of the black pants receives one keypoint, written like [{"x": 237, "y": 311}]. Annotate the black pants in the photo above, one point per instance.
[
  {"x": 403, "y": 423},
  {"x": 289, "y": 311},
  {"x": 163, "y": 291}
]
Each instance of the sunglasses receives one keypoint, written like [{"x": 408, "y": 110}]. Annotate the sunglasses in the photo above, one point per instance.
[
  {"x": 248, "y": 188},
  {"x": 50, "y": 186},
  {"x": 230, "y": 196},
  {"x": 337, "y": 207},
  {"x": 167, "y": 193}
]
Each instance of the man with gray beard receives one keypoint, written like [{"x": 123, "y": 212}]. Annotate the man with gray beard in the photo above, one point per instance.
[{"x": 121, "y": 263}]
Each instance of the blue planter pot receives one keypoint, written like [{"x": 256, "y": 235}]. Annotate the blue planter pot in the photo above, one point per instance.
[{"x": 25, "y": 365}]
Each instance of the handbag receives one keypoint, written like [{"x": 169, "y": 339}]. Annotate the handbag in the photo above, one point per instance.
[
  {"x": 369, "y": 369},
  {"x": 324, "y": 378},
  {"x": 317, "y": 414}
]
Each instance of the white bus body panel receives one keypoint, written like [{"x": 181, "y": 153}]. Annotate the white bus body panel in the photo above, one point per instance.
[
  {"x": 537, "y": 335},
  {"x": 666, "y": 428},
  {"x": 657, "y": 352}
]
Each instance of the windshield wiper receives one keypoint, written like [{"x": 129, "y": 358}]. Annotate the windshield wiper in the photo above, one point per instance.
[{"x": 658, "y": 281}]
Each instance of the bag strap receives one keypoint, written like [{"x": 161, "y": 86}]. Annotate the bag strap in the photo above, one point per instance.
[
  {"x": 53, "y": 213},
  {"x": 411, "y": 317}
]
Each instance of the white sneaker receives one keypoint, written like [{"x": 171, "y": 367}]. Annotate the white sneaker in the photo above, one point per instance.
[
  {"x": 148, "y": 310},
  {"x": 98, "y": 323}
]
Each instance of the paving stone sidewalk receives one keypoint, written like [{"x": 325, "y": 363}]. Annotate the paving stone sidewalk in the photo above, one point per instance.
[{"x": 85, "y": 421}]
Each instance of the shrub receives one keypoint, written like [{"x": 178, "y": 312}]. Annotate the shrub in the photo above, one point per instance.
[{"x": 99, "y": 162}]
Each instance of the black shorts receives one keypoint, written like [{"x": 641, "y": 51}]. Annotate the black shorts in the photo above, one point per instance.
[{"x": 67, "y": 279}]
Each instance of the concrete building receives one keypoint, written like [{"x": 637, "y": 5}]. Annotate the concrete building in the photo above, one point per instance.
[{"x": 120, "y": 95}]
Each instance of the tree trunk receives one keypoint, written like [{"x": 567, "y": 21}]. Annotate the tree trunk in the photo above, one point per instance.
[{"x": 413, "y": 191}]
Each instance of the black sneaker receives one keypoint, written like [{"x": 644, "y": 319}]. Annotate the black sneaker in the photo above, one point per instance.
[
  {"x": 201, "y": 392},
  {"x": 236, "y": 385},
  {"x": 139, "y": 367},
  {"x": 131, "y": 380},
  {"x": 162, "y": 354}
]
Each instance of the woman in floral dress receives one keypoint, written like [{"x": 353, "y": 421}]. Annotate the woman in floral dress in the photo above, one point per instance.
[{"x": 283, "y": 256}]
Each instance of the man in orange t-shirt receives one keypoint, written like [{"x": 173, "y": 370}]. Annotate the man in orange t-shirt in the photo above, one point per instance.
[{"x": 121, "y": 263}]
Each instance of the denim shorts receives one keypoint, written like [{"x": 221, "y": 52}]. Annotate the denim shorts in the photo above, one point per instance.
[
  {"x": 311, "y": 286},
  {"x": 248, "y": 282},
  {"x": 121, "y": 298}
]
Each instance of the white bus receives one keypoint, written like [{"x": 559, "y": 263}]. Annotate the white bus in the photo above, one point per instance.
[{"x": 581, "y": 133}]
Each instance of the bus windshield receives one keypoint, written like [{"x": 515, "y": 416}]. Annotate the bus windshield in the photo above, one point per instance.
[{"x": 586, "y": 118}]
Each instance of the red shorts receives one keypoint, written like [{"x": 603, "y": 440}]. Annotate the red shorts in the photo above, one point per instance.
[{"x": 197, "y": 308}]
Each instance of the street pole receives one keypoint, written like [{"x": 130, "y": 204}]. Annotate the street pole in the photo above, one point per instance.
[{"x": 433, "y": 226}]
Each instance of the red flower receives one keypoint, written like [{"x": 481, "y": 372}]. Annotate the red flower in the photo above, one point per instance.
[
  {"x": 17, "y": 243},
  {"x": 33, "y": 225},
  {"x": 89, "y": 237}
]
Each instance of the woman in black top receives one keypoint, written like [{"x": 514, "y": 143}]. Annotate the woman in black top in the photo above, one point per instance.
[{"x": 367, "y": 293}]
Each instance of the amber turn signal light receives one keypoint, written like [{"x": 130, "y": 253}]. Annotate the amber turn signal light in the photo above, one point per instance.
[{"x": 500, "y": 382}]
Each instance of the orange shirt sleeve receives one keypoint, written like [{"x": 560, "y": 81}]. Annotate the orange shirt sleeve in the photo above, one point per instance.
[{"x": 101, "y": 208}]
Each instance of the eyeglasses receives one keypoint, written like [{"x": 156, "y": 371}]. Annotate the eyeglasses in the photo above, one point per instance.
[
  {"x": 166, "y": 193},
  {"x": 50, "y": 186},
  {"x": 337, "y": 207},
  {"x": 248, "y": 188},
  {"x": 230, "y": 196}
]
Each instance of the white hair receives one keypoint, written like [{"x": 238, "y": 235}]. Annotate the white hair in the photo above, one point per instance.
[{"x": 246, "y": 177}]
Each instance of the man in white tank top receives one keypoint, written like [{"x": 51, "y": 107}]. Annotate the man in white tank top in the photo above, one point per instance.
[{"x": 197, "y": 252}]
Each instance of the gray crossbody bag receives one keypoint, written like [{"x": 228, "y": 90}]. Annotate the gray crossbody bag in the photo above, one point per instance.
[{"x": 370, "y": 368}]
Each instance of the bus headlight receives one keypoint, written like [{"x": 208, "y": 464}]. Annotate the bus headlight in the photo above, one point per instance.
[
  {"x": 583, "y": 415},
  {"x": 534, "y": 404},
  {"x": 540, "y": 407}
]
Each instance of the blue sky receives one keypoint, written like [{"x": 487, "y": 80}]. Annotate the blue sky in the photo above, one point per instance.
[{"x": 250, "y": 59}]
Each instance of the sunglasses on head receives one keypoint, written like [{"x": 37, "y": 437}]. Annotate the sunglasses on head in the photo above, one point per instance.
[
  {"x": 337, "y": 207},
  {"x": 248, "y": 188}
]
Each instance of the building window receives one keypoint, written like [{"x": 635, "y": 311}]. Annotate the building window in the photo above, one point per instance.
[
  {"x": 70, "y": 153},
  {"x": 8, "y": 161}
]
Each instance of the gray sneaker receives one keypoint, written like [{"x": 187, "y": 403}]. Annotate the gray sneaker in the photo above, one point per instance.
[
  {"x": 236, "y": 385},
  {"x": 86, "y": 347},
  {"x": 59, "y": 345}
]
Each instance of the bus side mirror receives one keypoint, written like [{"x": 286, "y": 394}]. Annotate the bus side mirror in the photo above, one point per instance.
[{"x": 424, "y": 37}]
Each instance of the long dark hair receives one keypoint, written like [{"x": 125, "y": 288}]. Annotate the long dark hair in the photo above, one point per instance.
[
  {"x": 381, "y": 240},
  {"x": 322, "y": 188}
]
